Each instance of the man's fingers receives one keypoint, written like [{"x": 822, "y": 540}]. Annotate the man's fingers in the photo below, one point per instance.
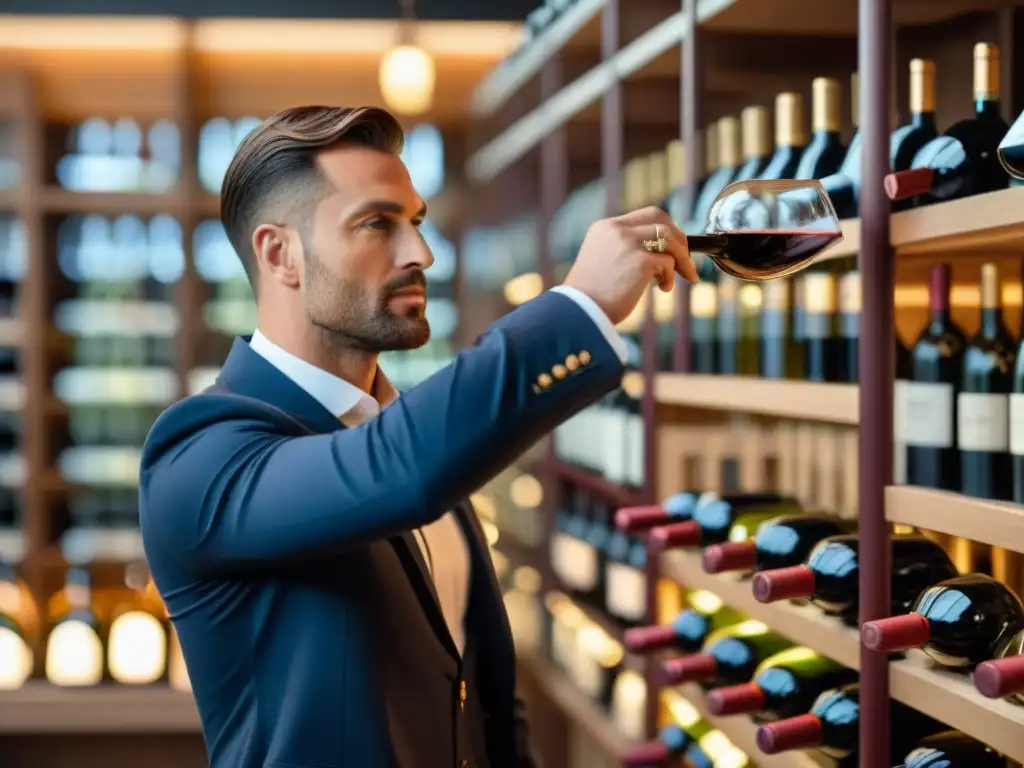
[
  {"x": 675, "y": 244},
  {"x": 665, "y": 271}
]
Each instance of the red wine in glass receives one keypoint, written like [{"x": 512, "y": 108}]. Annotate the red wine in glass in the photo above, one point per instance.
[{"x": 764, "y": 229}]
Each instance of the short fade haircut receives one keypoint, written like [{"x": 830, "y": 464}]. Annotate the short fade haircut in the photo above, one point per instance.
[{"x": 277, "y": 163}]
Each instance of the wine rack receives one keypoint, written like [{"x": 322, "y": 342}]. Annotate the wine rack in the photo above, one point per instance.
[{"x": 605, "y": 85}]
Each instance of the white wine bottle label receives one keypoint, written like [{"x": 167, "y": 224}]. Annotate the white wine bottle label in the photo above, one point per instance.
[
  {"x": 579, "y": 564},
  {"x": 137, "y": 648},
  {"x": 15, "y": 660},
  {"x": 983, "y": 422},
  {"x": 629, "y": 702},
  {"x": 929, "y": 415},
  {"x": 626, "y": 589},
  {"x": 74, "y": 655},
  {"x": 1017, "y": 424}
]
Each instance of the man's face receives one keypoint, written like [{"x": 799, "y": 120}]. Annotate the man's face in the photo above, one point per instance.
[{"x": 364, "y": 255}]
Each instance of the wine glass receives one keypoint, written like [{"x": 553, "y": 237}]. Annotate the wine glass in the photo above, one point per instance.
[
  {"x": 764, "y": 229},
  {"x": 1011, "y": 149}
]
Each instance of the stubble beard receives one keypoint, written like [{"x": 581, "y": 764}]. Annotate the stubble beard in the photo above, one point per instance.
[{"x": 352, "y": 319}]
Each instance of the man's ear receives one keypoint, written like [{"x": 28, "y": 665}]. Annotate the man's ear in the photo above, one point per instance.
[{"x": 278, "y": 254}]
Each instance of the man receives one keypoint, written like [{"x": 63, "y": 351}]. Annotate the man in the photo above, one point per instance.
[{"x": 329, "y": 584}]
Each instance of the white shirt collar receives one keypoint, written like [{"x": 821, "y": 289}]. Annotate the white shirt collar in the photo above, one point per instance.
[{"x": 347, "y": 401}]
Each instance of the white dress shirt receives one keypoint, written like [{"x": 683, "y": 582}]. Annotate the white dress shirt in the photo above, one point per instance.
[{"x": 441, "y": 542}]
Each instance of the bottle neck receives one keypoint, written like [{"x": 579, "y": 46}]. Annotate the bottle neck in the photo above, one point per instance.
[
  {"x": 940, "y": 316},
  {"x": 991, "y": 320},
  {"x": 923, "y": 120},
  {"x": 987, "y": 109}
]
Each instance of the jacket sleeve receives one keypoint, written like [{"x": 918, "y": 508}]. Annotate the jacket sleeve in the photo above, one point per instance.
[{"x": 222, "y": 487}]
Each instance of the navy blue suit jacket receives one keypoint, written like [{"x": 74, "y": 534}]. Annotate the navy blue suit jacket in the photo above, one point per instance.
[{"x": 281, "y": 544}]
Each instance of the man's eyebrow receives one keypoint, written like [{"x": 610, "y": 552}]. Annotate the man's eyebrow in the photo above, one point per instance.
[{"x": 385, "y": 206}]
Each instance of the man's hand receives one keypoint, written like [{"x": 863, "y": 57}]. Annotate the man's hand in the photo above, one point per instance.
[{"x": 614, "y": 269}]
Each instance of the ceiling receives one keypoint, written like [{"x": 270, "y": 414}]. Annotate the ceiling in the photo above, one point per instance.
[{"x": 484, "y": 10}]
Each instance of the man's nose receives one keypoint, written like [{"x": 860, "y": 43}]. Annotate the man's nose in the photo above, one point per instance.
[{"x": 414, "y": 252}]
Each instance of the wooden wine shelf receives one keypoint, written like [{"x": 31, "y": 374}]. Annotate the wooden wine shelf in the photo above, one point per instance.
[
  {"x": 834, "y": 403},
  {"x": 581, "y": 710},
  {"x": 989, "y": 522},
  {"x": 742, "y": 732},
  {"x": 579, "y": 23},
  {"x": 595, "y": 484},
  {"x": 952, "y": 698},
  {"x": 981, "y": 223},
  {"x": 805, "y": 625},
  {"x": 42, "y": 708}
]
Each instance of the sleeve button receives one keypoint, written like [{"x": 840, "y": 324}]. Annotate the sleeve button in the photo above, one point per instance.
[
  {"x": 572, "y": 362},
  {"x": 544, "y": 381},
  {"x": 559, "y": 371},
  {"x": 585, "y": 357}
]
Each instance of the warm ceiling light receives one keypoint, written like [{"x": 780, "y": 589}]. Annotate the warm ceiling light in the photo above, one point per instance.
[{"x": 407, "y": 79}]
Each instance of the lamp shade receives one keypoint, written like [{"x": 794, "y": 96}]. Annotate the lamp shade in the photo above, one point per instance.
[{"x": 407, "y": 77}]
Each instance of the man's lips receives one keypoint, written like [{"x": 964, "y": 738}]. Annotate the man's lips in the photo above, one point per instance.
[{"x": 412, "y": 291}]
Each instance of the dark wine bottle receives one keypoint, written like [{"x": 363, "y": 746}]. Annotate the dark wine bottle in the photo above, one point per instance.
[
  {"x": 729, "y": 657},
  {"x": 963, "y": 161},
  {"x": 843, "y": 186},
  {"x": 703, "y": 324},
  {"x": 820, "y": 327},
  {"x": 689, "y": 629},
  {"x": 833, "y": 726},
  {"x": 625, "y": 578},
  {"x": 790, "y": 137},
  {"x": 748, "y": 346},
  {"x": 952, "y": 749},
  {"x": 826, "y": 151},
  {"x": 781, "y": 356},
  {"x": 830, "y": 576},
  {"x": 907, "y": 140},
  {"x": 719, "y": 521},
  {"x": 784, "y": 685},
  {"x": 673, "y": 173},
  {"x": 576, "y": 562},
  {"x": 727, "y": 326},
  {"x": 983, "y": 405},
  {"x": 930, "y": 397},
  {"x": 721, "y": 169},
  {"x": 1003, "y": 676},
  {"x": 669, "y": 748},
  {"x": 779, "y": 543},
  {"x": 757, "y": 152},
  {"x": 678, "y": 507},
  {"x": 959, "y": 622},
  {"x": 850, "y": 306}
]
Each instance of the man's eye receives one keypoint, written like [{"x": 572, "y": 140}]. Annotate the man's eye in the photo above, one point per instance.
[{"x": 380, "y": 223}]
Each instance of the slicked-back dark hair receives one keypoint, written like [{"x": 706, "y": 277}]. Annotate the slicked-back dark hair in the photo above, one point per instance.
[{"x": 279, "y": 158}]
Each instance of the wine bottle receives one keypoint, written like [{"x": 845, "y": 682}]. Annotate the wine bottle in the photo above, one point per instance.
[
  {"x": 676, "y": 738},
  {"x": 963, "y": 161},
  {"x": 729, "y": 657},
  {"x": 137, "y": 639},
  {"x": 1016, "y": 419},
  {"x": 748, "y": 348},
  {"x": 625, "y": 578},
  {"x": 727, "y": 326},
  {"x": 779, "y": 543},
  {"x": 907, "y": 140},
  {"x": 820, "y": 339},
  {"x": 833, "y": 726},
  {"x": 784, "y": 685},
  {"x": 677, "y": 507},
  {"x": 930, "y": 396},
  {"x": 830, "y": 576},
  {"x": 781, "y": 356},
  {"x": 688, "y": 630},
  {"x": 721, "y": 169},
  {"x": 903, "y": 372},
  {"x": 74, "y": 650},
  {"x": 677, "y": 201},
  {"x": 952, "y": 749},
  {"x": 825, "y": 152},
  {"x": 843, "y": 186},
  {"x": 19, "y": 630},
  {"x": 629, "y": 705},
  {"x": 959, "y": 622},
  {"x": 757, "y": 152},
  {"x": 790, "y": 137},
  {"x": 983, "y": 405},
  {"x": 1003, "y": 676},
  {"x": 717, "y": 522},
  {"x": 703, "y": 322},
  {"x": 848, "y": 342},
  {"x": 573, "y": 559}
]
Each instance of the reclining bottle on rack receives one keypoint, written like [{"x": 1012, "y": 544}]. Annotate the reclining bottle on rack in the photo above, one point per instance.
[
  {"x": 830, "y": 576},
  {"x": 677, "y": 507},
  {"x": 730, "y": 656},
  {"x": 688, "y": 630},
  {"x": 784, "y": 685},
  {"x": 779, "y": 543},
  {"x": 952, "y": 749},
  {"x": 958, "y": 622},
  {"x": 833, "y": 726},
  {"x": 718, "y": 521}
]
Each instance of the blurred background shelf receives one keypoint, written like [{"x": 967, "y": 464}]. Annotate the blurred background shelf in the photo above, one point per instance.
[{"x": 1000, "y": 524}]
